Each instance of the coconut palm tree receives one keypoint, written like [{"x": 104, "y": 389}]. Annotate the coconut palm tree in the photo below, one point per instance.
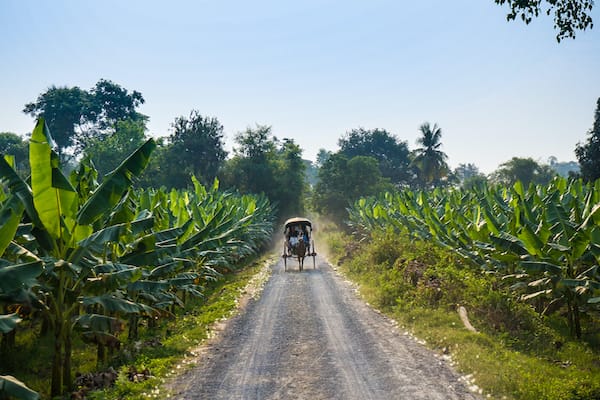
[{"x": 429, "y": 160}]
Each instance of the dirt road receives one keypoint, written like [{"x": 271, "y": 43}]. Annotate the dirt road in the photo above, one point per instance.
[{"x": 310, "y": 337}]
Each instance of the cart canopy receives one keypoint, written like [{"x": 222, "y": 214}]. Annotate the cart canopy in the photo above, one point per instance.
[{"x": 298, "y": 221}]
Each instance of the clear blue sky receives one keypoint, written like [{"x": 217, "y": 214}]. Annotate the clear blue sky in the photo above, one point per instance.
[{"x": 314, "y": 70}]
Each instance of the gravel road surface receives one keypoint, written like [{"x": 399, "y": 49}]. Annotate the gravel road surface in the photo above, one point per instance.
[{"x": 309, "y": 336}]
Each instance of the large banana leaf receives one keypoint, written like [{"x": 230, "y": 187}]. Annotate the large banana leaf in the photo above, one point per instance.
[
  {"x": 115, "y": 185},
  {"x": 8, "y": 322},
  {"x": 112, "y": 303},
  {"x": 12, "y": 387},
  {"x": 20, "y": 189},
  {"x": 10, "y": 216},
  {"x": 53, "y": 196},
  {"x": 18, "y": 276},
  {"x": 98, "y": 323}
]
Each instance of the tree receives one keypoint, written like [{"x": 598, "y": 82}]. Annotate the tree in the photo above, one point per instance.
[
  {"x": 343, "y": 180},
  {"x": 263, "y": 164},
  {"x": 196, "y": 148},
  {"x": 65, "y": 110},
  {"x": 322, "y": 156},
  {"x": 468, "y": 175},
  {"x": 525, "y": 170},
  {"x": 290, "y": 179},
  {"x": 112, "y": 103},
  {"x": 75, "y": 115},
  {"x": 13, "y": 145},
  {"x": 391, "y": 154},
  {"x": 251, "y": 170},
  {"x": 569, "y": 15},
  {"x": 429, "y": 159},
  {"x": 588, "y": 154}
]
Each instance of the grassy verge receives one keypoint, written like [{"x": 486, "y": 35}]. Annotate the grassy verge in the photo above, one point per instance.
[
  {"x": 158, "y": 354},
  {"x": 179, "y": 337},
  {"x": 516, "y": 354}
]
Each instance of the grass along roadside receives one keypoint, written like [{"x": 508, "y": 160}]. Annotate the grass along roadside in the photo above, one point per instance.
[
  {"x": 516, "y": 355},
  {"x": 181, "y": 339},
  {"x": 141, "y": 367}
]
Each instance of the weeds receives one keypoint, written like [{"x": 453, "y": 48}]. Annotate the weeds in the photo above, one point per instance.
[{"x": 518, "y": 354}]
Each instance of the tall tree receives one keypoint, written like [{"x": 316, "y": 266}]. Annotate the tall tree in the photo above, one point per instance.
[
  {"x": 466, "y": 171},
  {"x": 391, "y": 154},
  {"x": 263, "y": 164},
  {"x": 252, "y": 169},
  {"x": 569, "y": 15},
  {"x": 290, "y": 179},
  {"x": 468, "y": 175},
  {"x": 526, "y": 170},
  {"x": 588, "y": 153},
  {"x": 429, "y": 159},
  {"x": 112, "y": 103},
  {"x": 65, "y": 110},
  {"x": 75, "y": 115},
  {"x": 322, "y": 156},
  {"x": 197, "y": 146}
]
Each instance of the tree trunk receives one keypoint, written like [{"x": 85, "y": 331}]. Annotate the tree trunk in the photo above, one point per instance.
[
  {"x": 100, "y": 355},
  {"x": 67, "y": 378},
  {"x": 573, "y": 317},
  {"x": 56, "y": 385},
  {"x": 577, "y": 321},
  {"x": 45, "y": 325},
  {"x": 133, "y": 327}
]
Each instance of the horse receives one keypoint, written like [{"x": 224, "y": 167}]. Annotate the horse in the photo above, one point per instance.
[{"x": 301, "y": 252}]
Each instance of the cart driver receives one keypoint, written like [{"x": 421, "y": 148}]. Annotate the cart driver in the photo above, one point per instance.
[{"x": 293, "y": 240}]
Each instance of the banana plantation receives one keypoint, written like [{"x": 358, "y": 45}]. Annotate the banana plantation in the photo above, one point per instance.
[
  {"x": 543, "y": 240},
  {"x": 90, "y": 259}
]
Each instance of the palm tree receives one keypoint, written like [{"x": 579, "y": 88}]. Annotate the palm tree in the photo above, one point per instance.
[{"x": 429, "y": 159}]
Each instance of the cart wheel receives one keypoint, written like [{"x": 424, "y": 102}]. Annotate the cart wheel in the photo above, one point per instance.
[{"x": 284, "y": 257}]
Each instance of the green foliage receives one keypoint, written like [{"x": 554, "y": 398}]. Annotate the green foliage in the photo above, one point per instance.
[
  {"x": 263, "y": 164},
  {"x": 13, "y": 145},
  {"x": 342, "y": 181},
  {"x": 75, "y": 116},
  {"x": 468, "y": 176},
  {"x": 569, "y": 15},
  {"x": 525, "y": 170},
  {"x": 12, "y": 387},
  {"x": 391, "y": 154},
  {"x": 190, "y": 328},
  {"x": 544, "y": 241},
  {"x": 429, "y": 160},
  {"x": 106, "y": 153},
  {"x": 111, "y": 103},
  {"x": 195, "y": 148},
  {"x": 420, "y": 285},
  {"x": 588, "y": 153},
  {"x": 90, "y": 256}
]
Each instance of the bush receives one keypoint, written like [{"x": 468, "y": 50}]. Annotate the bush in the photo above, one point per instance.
[{"x": 518, "y": 354}]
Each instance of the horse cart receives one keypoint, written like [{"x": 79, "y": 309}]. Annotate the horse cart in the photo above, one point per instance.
[{"x": 298, "y": 241}]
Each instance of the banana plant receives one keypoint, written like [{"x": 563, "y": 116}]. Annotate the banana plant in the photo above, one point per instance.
[
  {"x": 68, "y": 226},
  {"x": 95, "y": 255},
  {"x": 546, "y": 239}
]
